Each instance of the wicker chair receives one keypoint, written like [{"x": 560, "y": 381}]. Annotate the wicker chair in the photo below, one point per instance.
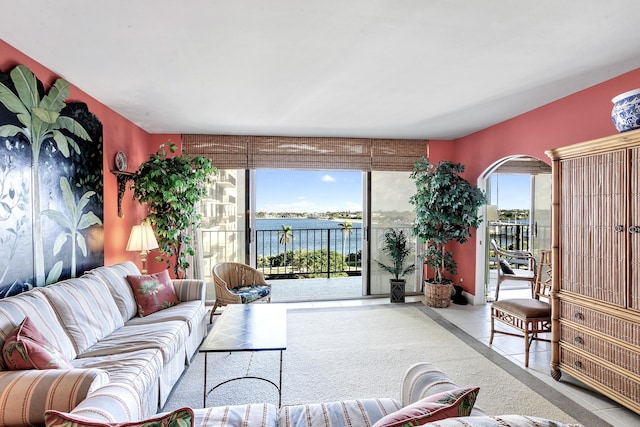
[
  {"x": 238, "y": 284},
  {"x": 530, "y": 316},
  {"x": 505, "y": 272}
]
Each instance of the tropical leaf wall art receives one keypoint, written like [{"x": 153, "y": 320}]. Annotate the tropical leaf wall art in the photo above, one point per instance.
[{"x": 51, "y": 184}]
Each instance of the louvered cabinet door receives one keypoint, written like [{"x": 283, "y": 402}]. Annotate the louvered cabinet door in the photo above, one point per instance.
[
  {"x": 593, "y": 205},
  {"x": 633, "y": 229}
]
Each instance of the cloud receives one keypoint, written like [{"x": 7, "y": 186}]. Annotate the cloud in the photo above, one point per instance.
[{"x": 328, "y": 178}]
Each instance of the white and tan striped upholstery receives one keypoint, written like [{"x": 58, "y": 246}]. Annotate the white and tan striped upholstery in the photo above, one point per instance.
[
  {"x": 189, "y": 289},
  {"x": 360, "y": 412},
  {"x": 112, "y": 403},
  {"x": 251, "y": 415},
  {"x": 34, "y": 304},
  {"x": 23, "y": 402},
  {"x": 115, "y": 277},
  {"x": 93, "y": 321},
  {"x": 85, "y": 308},
  {"x": 425, "y": 379}
]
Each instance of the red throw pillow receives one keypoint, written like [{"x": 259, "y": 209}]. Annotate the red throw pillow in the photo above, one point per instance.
[
  {"x": 26, "y": 348},
  {"x": 153, "y": 292},
  {"x": 453, "y": 403},
  {"x": 179, "y": 418}
]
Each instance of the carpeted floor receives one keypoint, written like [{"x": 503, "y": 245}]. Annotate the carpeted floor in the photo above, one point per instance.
[{"x": 355, "y": 352}]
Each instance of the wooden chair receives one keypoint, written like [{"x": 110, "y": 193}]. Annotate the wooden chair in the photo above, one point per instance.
[
  {"x": 530, "y": 316},
  {"x": 504, "y": 258},
  {"x": 237, "y": 283}
]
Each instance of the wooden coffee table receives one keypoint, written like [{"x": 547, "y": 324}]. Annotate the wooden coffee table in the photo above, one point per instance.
[{"x": 247, "y": 327}]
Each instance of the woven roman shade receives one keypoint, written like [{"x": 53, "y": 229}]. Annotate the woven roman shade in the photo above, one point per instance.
[{"x": 279, "y": 152}]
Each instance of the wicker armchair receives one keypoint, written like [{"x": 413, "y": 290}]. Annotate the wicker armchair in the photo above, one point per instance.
[
  {"x": 505, "y": 272},
  {"x": 238, "y": 284}
]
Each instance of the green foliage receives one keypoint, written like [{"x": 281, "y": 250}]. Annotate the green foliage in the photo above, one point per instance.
[
  {"x": 396, "y": 247},
  {"x": 310, "y": 261},
  {"x": 171, "y": 187},
  {"x": 446, "y": 207}
]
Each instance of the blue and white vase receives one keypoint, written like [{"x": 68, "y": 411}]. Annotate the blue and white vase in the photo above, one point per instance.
[{"x": 626, "y": 111}]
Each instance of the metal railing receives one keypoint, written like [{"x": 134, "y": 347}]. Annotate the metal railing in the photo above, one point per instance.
[
  {"x": 516, "y": 237},
  {"x": 511, "y": 236},
  {"x": 309, "y": 252}
]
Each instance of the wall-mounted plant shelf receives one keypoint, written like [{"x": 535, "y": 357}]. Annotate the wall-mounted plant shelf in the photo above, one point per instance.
[{"x": 123, "y": 178}]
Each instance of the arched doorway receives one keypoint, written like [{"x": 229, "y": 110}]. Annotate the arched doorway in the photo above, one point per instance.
[{"x": 534, "y": 231}]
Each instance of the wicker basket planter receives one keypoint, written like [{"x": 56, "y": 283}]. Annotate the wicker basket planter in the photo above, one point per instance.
[{"x": 437, "y": 295}]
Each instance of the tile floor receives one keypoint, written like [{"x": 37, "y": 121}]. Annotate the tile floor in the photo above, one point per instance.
[{"x": 475, "y": 321}]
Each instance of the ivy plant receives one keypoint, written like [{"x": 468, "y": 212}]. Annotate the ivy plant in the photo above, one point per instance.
[
  {"x": 172, "y": 186},
  {"x": 446, "y": 207}
]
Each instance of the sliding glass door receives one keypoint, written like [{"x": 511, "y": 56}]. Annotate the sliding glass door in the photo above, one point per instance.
[
  {"x": 224, "y": 227},
  {"x": 388, "y": 201}
]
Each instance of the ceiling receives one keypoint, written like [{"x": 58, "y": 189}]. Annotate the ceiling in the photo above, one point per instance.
[{"x": 437, "y": 69}]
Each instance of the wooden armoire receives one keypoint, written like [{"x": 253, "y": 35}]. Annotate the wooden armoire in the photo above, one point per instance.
[{"x": 596, "y": 265}]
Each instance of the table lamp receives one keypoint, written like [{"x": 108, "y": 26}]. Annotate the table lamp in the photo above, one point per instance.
[{"x": 143, "y": 240}]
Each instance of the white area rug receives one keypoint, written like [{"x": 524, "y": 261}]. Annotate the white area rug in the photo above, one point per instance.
[{"x": 360, "y": 352}]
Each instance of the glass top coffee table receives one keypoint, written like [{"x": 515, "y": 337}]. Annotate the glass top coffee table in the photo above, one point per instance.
[{"x": 247, "y": 327}]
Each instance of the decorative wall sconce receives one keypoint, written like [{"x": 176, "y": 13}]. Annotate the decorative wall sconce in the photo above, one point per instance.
[
  {"x": 142, "y": 240},
  {"x": 123, "y": 177}
]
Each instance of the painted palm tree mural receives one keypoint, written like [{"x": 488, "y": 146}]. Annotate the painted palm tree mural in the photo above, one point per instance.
[{"x": 44, "y": 139}]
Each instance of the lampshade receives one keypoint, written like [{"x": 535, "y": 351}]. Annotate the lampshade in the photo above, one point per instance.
[
  {"x": 492, "y": 213},
  {"x": 142, "y": 238}
]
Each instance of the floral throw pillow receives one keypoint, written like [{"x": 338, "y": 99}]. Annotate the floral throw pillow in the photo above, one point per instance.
[
  {"x": 453, "y": 403},
  {"x": 179, "y": 418},
  {"x": 153, "y": 292},
  {"x": 26, "y": 348}
]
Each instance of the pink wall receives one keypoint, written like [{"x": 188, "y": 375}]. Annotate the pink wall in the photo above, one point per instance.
[
  {"x": 119, "y": 134},
  {"x": 579, "y": 117}
]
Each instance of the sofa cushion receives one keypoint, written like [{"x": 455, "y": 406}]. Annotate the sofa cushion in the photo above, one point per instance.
[
  {"x": 36, "y": 306},
  {"x": 86, "y": 308},
  {"x": 140, "y": 368},
  {"x": 167, "y": 336},
  {"x": 152, "y": 292},
  {"x": 179, "y": 418},
  {"x": 249, "y": 294},
  {"x": 250, "y": 415},
  {"x": 191, "y": 312},
  {"x": 26, "y": 348},
  {"x": 454, "y": 403},
  {"x": 115, "y": 277},
  {"x": 360, "y": 412},
  {"x": 499, "y": 421}
]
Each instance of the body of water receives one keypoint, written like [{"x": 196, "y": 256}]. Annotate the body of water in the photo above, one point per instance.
[{"x": 308, "y": 234}]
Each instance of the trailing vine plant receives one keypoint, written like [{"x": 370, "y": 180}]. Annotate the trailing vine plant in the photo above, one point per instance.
[{"x": 172, "y": 186}]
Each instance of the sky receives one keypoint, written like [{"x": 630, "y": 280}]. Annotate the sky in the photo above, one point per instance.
[
  {"x": 322, "y": 191},
  {"x": 308, "y": 191},
  {"x": 512, "y": 191}
]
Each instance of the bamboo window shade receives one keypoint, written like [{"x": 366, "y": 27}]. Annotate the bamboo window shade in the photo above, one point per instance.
[{"x": 279, "y": 152}]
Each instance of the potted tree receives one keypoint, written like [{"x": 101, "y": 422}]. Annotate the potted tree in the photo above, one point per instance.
[
  {"x": 172, "y": 186},
  {"x": 446, "y": 207},
  {"x": 396, "y": 247}
]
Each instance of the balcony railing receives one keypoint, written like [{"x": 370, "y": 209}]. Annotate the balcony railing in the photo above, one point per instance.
[
  {"x": 515, "y": 236},
  {"x": 309, "y": 252}
]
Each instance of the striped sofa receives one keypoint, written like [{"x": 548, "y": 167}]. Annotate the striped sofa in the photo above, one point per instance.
[
  {"x": 420, "y": 381},
  {"x": 124, "y": 366}
]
